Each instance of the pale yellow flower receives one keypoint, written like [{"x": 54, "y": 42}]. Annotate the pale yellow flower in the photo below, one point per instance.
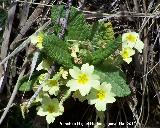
[
  {"x": 74, "y": 54},
  {"x": 83, "y": 80},
  {"x": 139, "y": 46},
  {"x": 64, "y": 75},
  {"x": 51, "y": 108},
  {"x": 101, "y": 96},
  {"x": 126, "y": 54},
  {"x": 41, "y": 96},
  {"x": 75, "y": 47},
  {"x": 63, "y": 72},
  {"x": 37, "y": 40},
  {"x": 42, "y": 77},
  {"x": 132, "y": 40},
  {"x": 51, "y": 86},
  {"x": 74, "y": 50}
]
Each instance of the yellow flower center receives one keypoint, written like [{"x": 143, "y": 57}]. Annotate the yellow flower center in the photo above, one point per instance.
[
  {"x": 101, "y": 95},
  {"x": 131, "y": 38},
  {"x": 83, "y": 79},
  {"x": 52, "y": 82},
  {"x": 50, "y": 108},
  {"x": 125, "y": 53},
  {"x": 39, "y": 39}
]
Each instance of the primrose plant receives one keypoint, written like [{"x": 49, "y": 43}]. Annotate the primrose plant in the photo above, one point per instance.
[{"x": 86, "y": 66}]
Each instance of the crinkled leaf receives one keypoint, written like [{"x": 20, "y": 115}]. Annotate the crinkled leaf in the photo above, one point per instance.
[
  {"x": 78, "y": 28},
  {"x": 57, "y": 12},
  {"x": 104, "y": 34},
  {"x": 57, "y": 50},
  {"x": 101, "y": 54}
]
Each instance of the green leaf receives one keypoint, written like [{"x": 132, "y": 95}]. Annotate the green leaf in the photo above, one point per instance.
[
  {"x": 116, "y": 79},
  {"x": 57, "y": 12},
  {"x": 97, "y": 41},
  {"x": 57, "y": 50},
  {"x": 101, "y": 54},
  {"x": 104, "y": 34},
  {"x": 25, "y": 85},
  {"x": 78, "y": 28}
]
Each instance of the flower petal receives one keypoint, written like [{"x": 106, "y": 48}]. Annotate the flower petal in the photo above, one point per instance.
[
  {"x": 124, "y": 45},
  {"x": 93, "y": 101},
  {"x": 128, "y": 60},
  {"x": 95, "y": 83},
  {"x": 100, "y": 106},
  {"x": 84, "y": 90},
  {"x": 41, "y": 112},
  {"x": 106, "y": 86},
  {"x": 33, "y": 39},
  {"x": 131, "y": 52},
  {"x": 74, "y": 72},
  {"x": 45, "y": 88},
  {"x": 95, "y": 77},
  {"x": 87, "y": 69},
  {"x": 130, "y": 45},
  {"x": 72, "y": 84},
  {"x": 139, "y": 46},
  {"x": 50, "y": 118},
  {"x": 39, "y": 67},
  {"x": 54, "y": 90},
  {"x": 110, "y": 99}
]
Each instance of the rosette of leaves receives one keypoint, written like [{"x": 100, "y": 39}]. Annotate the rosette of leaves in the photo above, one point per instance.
[{"x": 96, "y": 43}]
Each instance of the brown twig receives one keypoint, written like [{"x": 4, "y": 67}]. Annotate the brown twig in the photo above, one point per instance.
[
  {"x": 28, "y": 24},
  {"x": 24, "y": 44},
  {"x": 13, "y": 93},
  {"x": 5, "y": 43},
  {"x": 24, "y": 14},
  {"x": 145, "y": 60}
]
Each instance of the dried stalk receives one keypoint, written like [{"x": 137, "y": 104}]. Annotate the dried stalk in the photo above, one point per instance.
[
  {"x": 28, "y": 24},
  {"x": 5, "y": 43}
]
